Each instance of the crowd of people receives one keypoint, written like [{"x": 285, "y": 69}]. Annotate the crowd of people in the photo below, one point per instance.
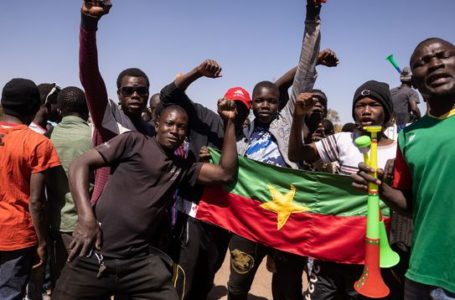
[{"x": 97, "y": 198}]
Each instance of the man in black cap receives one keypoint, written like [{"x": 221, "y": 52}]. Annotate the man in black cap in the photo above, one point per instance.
[
  {"x": 24, "y": 156},
  {"x": 372, "y": 105},
  {"x": 405, "y": 100}
]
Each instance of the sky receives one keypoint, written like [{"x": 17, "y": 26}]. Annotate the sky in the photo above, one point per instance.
[{"x": 253, "y": 40}]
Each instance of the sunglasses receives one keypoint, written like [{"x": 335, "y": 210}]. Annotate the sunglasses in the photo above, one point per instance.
[{"x": 129, "y": 90}]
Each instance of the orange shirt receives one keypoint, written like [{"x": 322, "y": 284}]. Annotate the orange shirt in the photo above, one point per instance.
[{"x": 22, "y": 152}]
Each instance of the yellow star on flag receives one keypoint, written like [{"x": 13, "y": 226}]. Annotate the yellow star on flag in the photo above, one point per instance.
[{"x": 283, "y": 205}]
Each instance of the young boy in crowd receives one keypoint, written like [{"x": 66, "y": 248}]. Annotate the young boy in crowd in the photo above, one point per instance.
[{"x": 372, "y": 105}]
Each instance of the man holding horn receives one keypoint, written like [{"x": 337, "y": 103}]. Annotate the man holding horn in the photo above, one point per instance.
[{"x": 423, "y": 177}]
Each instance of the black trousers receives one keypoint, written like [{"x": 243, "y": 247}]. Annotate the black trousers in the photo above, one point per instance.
[
  {"x": 202, "y": 251},
  {"x": 333, "y": 281},
  {"x": 287, "y": 280},
  {"x": 143, "y": 277},
  {"x": 246, "y": 256},
  {"x": 59, "y": 253}
]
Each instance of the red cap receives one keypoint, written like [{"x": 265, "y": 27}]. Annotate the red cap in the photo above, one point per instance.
[{"x": 239, "y": 94}]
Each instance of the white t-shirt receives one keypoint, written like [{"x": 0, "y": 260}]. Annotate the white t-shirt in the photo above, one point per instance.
[
  {"x": 391, "y": 132},
  {"x": 340, "y": 147}
]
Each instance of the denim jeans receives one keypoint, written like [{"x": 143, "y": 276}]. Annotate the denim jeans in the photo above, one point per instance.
[
  {"x": 15, "y": 268},
  {"x": 417, "y": 291}
]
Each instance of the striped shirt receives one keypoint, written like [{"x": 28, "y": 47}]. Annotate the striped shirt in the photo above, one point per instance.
[{"x": 340, "y": 148}]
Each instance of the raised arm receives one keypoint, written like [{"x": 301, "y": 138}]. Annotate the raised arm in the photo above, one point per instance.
[
  {"x": 225, "y": 172},
  {"x": 306, "y": 69},
  {"x": 284, "y": 83},
  {"x": 87, "y": 229},
  {"x": 203, "y": 121},
  {"x": 299, "y": 151},
  {"x": 89, "y": 74},
  {"x": 174, "y": 93},
  {"x": 326, "y": 57},
  {"x": 208, "y": 68}
]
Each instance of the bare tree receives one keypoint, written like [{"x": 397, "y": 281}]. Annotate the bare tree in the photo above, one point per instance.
[{"x": 333, "y": 116}]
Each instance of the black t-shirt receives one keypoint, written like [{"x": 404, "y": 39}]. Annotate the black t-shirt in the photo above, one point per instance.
[{"x": 142, "y": 182}]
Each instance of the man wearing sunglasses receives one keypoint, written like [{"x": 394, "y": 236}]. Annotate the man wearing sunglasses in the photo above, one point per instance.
[{"x": 109, "y": 119}]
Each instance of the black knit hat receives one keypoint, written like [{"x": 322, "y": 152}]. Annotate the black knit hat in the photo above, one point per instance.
[
  {"x": 380, "y": 92},
  {"x": 20, "y": 97}
]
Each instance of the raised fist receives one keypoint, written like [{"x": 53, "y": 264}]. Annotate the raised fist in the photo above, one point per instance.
[
  {"x": 227, "y": 109},
  {"x": 209, "y": 68},
  {"x": 316, "y": 2},
  {"x": 96, "y": 8},
  {"x": 304, "y": 103},
  {"x": 328, "y": 58}
]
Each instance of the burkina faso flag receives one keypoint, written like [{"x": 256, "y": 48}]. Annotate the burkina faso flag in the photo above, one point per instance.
[{"x": 311, "y": 214}]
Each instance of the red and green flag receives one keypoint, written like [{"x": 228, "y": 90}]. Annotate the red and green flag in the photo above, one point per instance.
[{"x": 312, "y": 214}]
